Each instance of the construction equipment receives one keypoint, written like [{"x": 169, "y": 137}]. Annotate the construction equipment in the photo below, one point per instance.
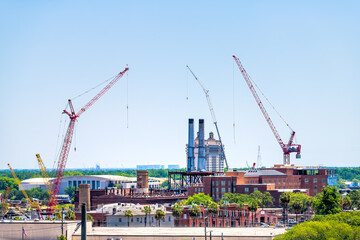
[
  {"x": 7, "y": 193},
  {"x": 45, "y": 176},
  {"x": 288, "y": 148},
  {"x": 34, "y": 205},
  {"x": 61, "y": 163},
  {"x": 206, "y": 91}
]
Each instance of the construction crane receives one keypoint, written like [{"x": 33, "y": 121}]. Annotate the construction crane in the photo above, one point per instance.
[
  {"x": 288, "y": 148},
  {"x": 45, "y": 176},
  {"x": 34, "y": 205},
  {"x": 69, "y": 134},
  {"x": 5, "y": 209},
  {"x": 206, "y": 91}
]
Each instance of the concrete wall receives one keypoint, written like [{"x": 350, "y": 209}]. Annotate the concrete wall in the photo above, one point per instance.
[{"x": 40, "y": 230}]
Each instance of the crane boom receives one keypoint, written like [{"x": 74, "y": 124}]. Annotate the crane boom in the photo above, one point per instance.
[
  {"x": 44, "y": 174},
  {"x": 65, "y": 149},
  {"x": 22, "y": 188},
  {"x": 287, "y": 148},
  {"x": 206, "y": 91}
]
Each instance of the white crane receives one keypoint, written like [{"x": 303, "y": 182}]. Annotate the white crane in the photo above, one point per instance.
[{"x": 206, "y": 91}]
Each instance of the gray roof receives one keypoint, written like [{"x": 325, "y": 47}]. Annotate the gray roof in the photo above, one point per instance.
[{"x": 260, "y": 172}]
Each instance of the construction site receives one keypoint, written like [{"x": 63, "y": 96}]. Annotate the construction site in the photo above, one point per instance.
[{"x": 207, "y": 171}]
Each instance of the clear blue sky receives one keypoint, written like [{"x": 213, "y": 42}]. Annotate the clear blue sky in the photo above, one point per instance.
[{"x": 304, "y": 55}]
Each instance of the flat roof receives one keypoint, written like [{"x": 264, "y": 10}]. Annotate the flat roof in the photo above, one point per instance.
[{"x": 183, "y": 231}]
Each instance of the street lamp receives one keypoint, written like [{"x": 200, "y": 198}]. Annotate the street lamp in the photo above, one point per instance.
[{"x": 205, "y": 226}]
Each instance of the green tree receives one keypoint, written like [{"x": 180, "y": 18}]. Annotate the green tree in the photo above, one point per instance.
[
  {"x": 61, "y": 237},
  {"x": 71, "y": 192},
  {"x": 284, "y": 202},
  {"x": 177, "y": 210},
  {"x": 253, "y": 207},
  {"x": 147, "y": 211},
  {"x": 263, "y": 199},
  {"x": 345, "y": 202},
  {"x": 327, "y": 202},
  {"x": 199, "y": 199},
  {"x": 8, "y": 182},
  {"x": 57, "y": 215},
  {"x": 194, "y": 211},
  {"x": 70, "y": 215},
  {"x": 296, "y": 203},
  {"x": 90, "y": 218},
  {"x": 159, "y": 215},
  {"x": 355, "y": 198},
  {"x": 129, "y": 214},
  {"x": 213, "y": 208}
]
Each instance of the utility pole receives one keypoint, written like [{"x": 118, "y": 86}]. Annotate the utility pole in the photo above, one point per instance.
[
  {"x": 83, "y": 221},
  {"x": 205, "y": 227},
  {"x": 62, "y": 221}
]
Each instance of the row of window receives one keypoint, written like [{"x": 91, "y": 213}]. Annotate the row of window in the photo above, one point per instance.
[
  {"x": 140, "y": 220},
  {"x": 93, "y": 184},
  {"x": 323, "y": 180},
  {"x": 223, "y": 183}
]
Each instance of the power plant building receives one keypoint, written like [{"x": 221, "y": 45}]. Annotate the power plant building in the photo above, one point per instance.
[{"x": 203, "y": 154}]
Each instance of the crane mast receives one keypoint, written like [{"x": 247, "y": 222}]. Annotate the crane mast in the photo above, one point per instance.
[
  {"x": 44, "y": 174},
  {"x": 65, "y": 149},
  {"x": 206, "y": 91},
  {"x": 286, "y": 148},
  {"x": 34, "y": 205}
]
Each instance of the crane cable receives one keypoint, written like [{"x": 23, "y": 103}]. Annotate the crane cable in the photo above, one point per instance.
[
  {"x": 270, "y": 104},
  {"x": 93, "y": 88},
  {"x": 127, "y": 99},
  {"x": 234, "y": 102}
]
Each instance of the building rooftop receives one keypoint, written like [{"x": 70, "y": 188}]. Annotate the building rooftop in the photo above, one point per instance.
[
  {"x": 190, "y": 232},
  {"x": 257, "y": 173}
]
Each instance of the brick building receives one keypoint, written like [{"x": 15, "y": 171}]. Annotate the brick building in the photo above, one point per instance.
[
  {"x": 274, "y": 180},
  {"x": 230, "y": 216}
]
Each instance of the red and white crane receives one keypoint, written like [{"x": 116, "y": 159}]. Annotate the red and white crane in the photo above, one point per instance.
[
  {"x": 65, "y": 149},
  {"x": 288, "y": 148}
]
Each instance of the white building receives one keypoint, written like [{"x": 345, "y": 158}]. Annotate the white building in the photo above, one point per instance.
[
  {"x": 95, "y": 181},
  {"x": 117, "y": 218}
]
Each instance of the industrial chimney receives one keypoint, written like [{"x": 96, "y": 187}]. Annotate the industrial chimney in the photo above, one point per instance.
[
  {"x": 190, "y": 148},
  {"x": 201, "y": 147}
]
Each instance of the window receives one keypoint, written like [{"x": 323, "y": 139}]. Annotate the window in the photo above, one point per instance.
[
  {"x": 264, "y": 181},
  {"x": 246, "y": 189},
  {"x": 229, "y": 183},
  {"x": 234, "y": 190},
  {"x": 323, "y": 180},
  {"x": 255, "y": 189},
  {"x": 213, "y": 190},
  {"x": 223, "y": 190},
  {"x": 222, "y": 183},
  {"x": 284, "y": 181},
  {"x": 169, "y": 218},
  {"x": 229, "y": 189},
  {"x": 70, "y": 183},
  {"x": 213, "y": 182},
  {"x": 269, "y": 180},
  {"x": 217, "y": 190},
  {"x": 217, "y": 183},
  {"x": 120, "y": 219},
  {"x": 234, "y": 182},
  {"x": 315, "y": 180},
  {"x": 195, "y": 189},
  {"x": 137, "y": 219},
  {"x": 184, "y": 217},
  {"x": 306, "y": 180},
  {"x": 132, "y": 220}
]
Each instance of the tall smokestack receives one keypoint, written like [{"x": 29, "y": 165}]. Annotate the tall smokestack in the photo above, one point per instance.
[
  {"x": 190, "y": 153},
  {"x": 201, "y": 146}
]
